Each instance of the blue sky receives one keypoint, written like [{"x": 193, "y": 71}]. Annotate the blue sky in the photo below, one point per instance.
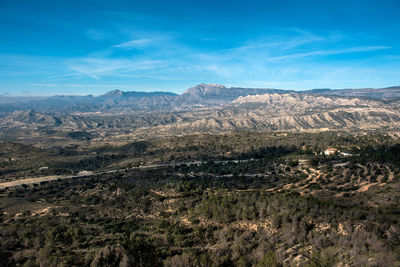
[{"x": 94, "y": 46}]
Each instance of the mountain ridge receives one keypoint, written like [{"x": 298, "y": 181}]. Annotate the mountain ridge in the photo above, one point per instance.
[
  {"x": 210, "y": 107},
  {"x": 292, "y": 112}
]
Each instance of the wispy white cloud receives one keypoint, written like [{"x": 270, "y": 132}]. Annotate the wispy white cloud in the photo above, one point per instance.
[
  {"x": 82, "y": 85},
  {"x": 96, "y": 68},
  {"x": 285, "y": 58},
  {"x": 331, "y": 52},
  {"x": 178, "y": 61},
  {"x": 134, "y": 43},
  {"x": 272, "y": 46},
  {"x": 89, "y": 74}
]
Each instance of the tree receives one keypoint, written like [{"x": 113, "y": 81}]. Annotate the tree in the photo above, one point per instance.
[
  {"x": 141, "y": 251},
  {"x": 109, "y": 256},
  {"x": 269, "y": 260}
]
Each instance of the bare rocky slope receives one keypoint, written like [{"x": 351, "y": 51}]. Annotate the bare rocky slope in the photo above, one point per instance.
[
  {"x": 201, "y": 95},
  {"x": 293, "y": 112},
  {"x": 117, "y": 101},
  {"x": 205, "y": 108}
]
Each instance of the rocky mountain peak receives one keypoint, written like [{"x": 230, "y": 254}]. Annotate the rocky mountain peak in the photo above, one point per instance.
[
  {"x": 115, "y": 92},
  {"x": 205, "y": 89}
]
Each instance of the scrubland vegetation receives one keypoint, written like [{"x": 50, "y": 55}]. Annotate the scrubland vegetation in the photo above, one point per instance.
[{"x": 253, "y": 199}]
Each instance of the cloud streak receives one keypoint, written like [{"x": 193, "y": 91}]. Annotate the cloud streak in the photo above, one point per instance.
[
  {"x": 134, "y": 43},
  {"x": 255, "y": 59},
  {"x": 285, "y": 58},
  {"x": 331, "y": 52}
]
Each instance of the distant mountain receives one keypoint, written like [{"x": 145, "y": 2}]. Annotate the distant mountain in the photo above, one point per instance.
[
  {"x": 119, "y": 101},
  {"x": 115, "y": 100},
  {"x": 5, "y": 99},
  {"x": 203, "y": 108},
  {"x": 316, "y": 91},
  {"x": 379, "y": 93},
  {"x": 201, "y": 95},
  {"x": 133, "y": 94},
  {"x": 215, "y": 94}
]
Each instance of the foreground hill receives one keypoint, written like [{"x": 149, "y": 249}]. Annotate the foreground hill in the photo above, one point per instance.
[{"x": 238, "y": 199}]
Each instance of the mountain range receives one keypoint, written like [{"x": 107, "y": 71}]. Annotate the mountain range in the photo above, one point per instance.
[
  {"x": 202, "y": 108},
  {"x": 202, "y": 95}
]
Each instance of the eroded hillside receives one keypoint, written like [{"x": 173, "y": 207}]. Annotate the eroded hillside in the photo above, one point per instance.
[{"x": 273, "y": 111}]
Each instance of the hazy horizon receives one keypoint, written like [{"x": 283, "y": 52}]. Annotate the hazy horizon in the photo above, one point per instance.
[{"x": 49, "y": 94}]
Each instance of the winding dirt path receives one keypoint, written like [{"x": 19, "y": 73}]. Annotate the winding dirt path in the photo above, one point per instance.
[{"x": 37, "y": 180}]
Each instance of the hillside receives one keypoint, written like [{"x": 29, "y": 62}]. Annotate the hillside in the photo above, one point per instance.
[
  {"x": 201, "y": 95},
  {"x": 290, "y": 112},
  {"x": 204, "y": 108},
  {"x": 237, "y": 199}
]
